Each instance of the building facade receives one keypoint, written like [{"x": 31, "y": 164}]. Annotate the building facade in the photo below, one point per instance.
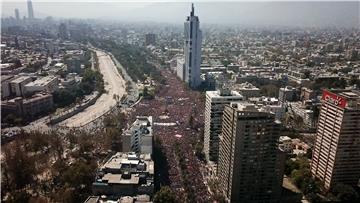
[
  {"x": 214, "y": 107},
  {"x": 17, "y": 86},
  {"x": 28, "y": 108},
  {"x": 139, "y": 137},
  {"x": 250, "y": 165},
  {"x": 192, "y": 50},
  {"x": 287, "y": 93},
  {"x": 45, "y": 84},
  {"x": 336, "y": 154}
]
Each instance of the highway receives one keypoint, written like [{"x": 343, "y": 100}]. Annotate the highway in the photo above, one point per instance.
[{"x": 114, "y": 85}]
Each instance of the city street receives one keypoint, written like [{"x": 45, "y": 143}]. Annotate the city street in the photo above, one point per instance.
[{"x": 114, "y": 85}]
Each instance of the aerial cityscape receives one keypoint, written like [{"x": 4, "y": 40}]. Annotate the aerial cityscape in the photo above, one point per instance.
[{"x": 180, "y": 101}]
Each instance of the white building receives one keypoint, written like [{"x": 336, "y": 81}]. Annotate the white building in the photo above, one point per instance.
[
  {"x": 214, "y": 106},
  {"x": 139, "y": 137},
  {"x": 269, "y": 104},
  {"x": 192, "y": 50},
  {"x": 45, "y": 84},
  {"x": 180, "y": 67},
  {"x": 285, "y": 143},
  {"x": 299, "y": 109}
]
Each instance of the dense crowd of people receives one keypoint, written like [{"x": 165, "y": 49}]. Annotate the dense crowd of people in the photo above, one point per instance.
[{"x": 175, "y": 103}]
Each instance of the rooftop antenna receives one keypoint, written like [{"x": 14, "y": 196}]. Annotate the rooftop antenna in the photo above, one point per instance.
[{"x": 192, "y": 9}]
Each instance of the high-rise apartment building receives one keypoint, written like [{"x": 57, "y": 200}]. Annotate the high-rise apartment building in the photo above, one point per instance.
[
  {"x": 250, "y": 165},
  {"x": 30, "y": 10},
  {"x": 214, "y": 107},
  {"x": 336, "y": 154},
  {"x": 192, "y": 50}
]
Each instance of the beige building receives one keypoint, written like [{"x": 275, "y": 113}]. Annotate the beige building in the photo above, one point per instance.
[
  {"x": 28, "y": 108},
  {"x": 17, "y": 86},
  {"x": 247, "y": 90},
  {"x": 251, "y": 166},
  {"x": 46, "y": 84},
  {"x": 214, "y": 107},
  {"x": 336, "y": 154}
]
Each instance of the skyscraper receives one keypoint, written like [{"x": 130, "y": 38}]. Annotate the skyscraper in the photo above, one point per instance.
[
  {"x": 17, "y": 15},
  {"x": 30, "y": 10},
  {"x": 336, "y": 154},
  {"x": 250, "y": 165},
  {"x": 214, "y": 107},
  {"x": 192, "y": 50}
]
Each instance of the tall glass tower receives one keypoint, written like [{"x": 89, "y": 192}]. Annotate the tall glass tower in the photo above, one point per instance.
[{"x": 192, "y": 50}]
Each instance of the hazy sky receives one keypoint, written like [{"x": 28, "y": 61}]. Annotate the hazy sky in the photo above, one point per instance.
[{"x": 211, "y": 12}]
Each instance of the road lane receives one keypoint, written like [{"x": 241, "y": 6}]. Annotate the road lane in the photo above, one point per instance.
[{"x": 114, "y": 85}]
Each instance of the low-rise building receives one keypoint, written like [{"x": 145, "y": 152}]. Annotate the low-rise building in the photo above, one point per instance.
[
  {"x": 5, "y": 85},
  {"x": 17, "y": 86},
  {"x": 307, "y": 94},
  {"x": 285, "y": 143},
  {"x": 269, "y": 104},
  {"x": 44, "y": 84},
  {"x": 287, "y": 93},
  {"x": 28, "y": 108},
  {"x": 124, "y": 199},
  {"x": 299, "y": 147},
  {"x": 125, "y": 174},
  {"x": 301, "y": 110},
  {"x": 247, "y": 90},
  {"x": 139, "y": 137}
]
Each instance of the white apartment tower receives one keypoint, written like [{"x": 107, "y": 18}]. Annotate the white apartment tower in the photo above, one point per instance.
[
  {"x": 192, "y": 50},
  {"x": 214, "y": 107}
]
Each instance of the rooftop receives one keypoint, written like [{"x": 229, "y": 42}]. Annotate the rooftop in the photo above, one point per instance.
[
  {"x": 20, "y": 79},
  {"x": 217, "y": 94},
  {"x": 42, "y": 81},
  {"x": 126, "y": 164}
]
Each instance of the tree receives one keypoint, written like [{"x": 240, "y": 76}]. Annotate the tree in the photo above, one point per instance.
[
  {"x": 309, "y": 153},
  {"x": 19, "y": 196},
  {"x": 291, "y": 165},
  {"x": 79, "y": 174},
  {"x": 19, "y": 166},
  {"x": 165, "y": 195}
]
